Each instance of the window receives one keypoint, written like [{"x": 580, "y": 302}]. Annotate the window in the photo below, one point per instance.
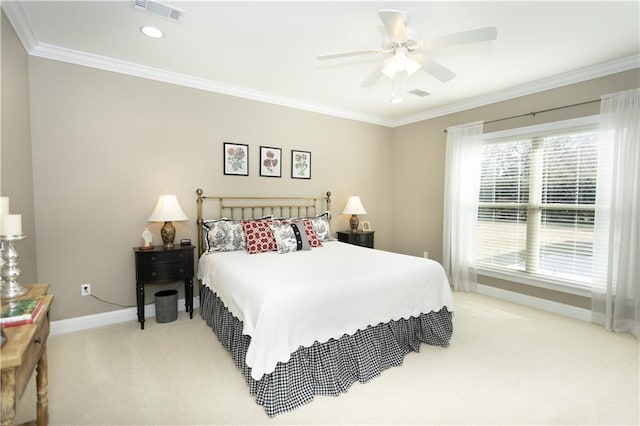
[{"x": 537, "y": 202}]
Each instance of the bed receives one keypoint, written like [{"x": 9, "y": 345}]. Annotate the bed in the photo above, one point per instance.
[{"x": 303, "y": 314}]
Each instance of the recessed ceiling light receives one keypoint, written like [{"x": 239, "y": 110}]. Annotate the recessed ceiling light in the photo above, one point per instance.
[{"x": 152, "y": 32}]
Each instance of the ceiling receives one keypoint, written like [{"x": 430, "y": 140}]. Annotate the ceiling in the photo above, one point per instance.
[{"x": 267, "y": 50}]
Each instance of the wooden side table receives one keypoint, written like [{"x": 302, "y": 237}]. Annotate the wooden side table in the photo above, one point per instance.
[
  {"x": 358, "y": 238},
  {"x": 163, "y": 266},
  {"x": 24, "y": 351}
]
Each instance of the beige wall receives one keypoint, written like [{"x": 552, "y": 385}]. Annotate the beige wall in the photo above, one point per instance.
[
  {"x": 106, "y": 145},
  {"x": 16, "y": 173},
  {"x": 418, "y": 156}
]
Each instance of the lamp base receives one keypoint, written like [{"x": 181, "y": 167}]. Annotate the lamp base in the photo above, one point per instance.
[
  {"x": 168, "y": 234},
  {"x": 354, "y": 222}
]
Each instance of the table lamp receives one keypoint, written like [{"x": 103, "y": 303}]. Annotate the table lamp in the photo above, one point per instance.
[
  {"x": 354, "y": 208},
  {"x": 167, "y": 210}
]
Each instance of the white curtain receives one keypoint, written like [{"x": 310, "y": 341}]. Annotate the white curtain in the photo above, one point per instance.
[
  {"x": 463, "y": 163},
  {"x": 616, "y": 291}
]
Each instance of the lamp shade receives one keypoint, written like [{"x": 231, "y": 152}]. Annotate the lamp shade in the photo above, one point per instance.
[
  {"x": 167, "y": 210},
  {"x": 354, "y": 206}
]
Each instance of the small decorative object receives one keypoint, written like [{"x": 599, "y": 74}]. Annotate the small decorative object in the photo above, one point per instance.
[
  {"x": 4, "y": 210},
  {"x": 236, "y": 159},
  {"x": 270, "y": 161},
  {"x": 11, "y": 224},
  {"x": 300, "y": 164},
  {"x": 147, "y": 236},
  {"x": 354, "y": 207},
  {"x": 185, "y": 242},
  {"x": 167, "y": 210},
  {"x": 366, "y": 226},
  {"x": 10, "y": 232},
  {"x": 10, "y": 272},
  {"x": 4, "y": 206}
]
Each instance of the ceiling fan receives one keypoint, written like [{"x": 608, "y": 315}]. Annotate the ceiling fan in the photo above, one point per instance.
[{"x": 404, "y": 53}]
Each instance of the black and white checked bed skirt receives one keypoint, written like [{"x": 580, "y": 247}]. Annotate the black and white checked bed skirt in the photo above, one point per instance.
[{"x": 328, "y": 368}]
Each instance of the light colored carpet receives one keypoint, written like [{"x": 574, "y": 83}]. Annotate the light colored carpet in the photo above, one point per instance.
[{"x": 506, "y": 364}]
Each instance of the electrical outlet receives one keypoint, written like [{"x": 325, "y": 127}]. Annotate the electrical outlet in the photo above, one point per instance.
[
  {"x": 85, "y": 289},
  {"x": 425, "y": 254}
]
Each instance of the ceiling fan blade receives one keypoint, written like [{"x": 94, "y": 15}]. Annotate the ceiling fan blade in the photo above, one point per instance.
[
  {"x": 463, "y": 37},
  {"x": 394, "y": 24},
  {"x": 436, "y": 69},
  {"x": 373, "y": 77},
  {"x": 350, "y": 53}
]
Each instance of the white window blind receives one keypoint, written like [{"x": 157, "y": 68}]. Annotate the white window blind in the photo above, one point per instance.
[{"x": 537, "y": 204}]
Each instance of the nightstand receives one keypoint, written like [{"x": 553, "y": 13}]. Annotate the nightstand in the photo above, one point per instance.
[
  {"x": 163, "y": 266},
  {"x": 358, "y": 238}
]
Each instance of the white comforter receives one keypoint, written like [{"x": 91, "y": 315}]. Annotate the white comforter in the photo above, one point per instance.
[{"x": 290, "y": 300}]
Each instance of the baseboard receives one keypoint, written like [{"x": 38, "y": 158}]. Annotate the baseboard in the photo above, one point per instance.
[
  {"x": 107, "y": 318},
  {"x": 130, "y": 314},
  {"x": 534, "y": 302}
]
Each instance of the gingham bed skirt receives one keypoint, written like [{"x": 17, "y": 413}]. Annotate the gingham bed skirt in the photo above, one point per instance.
[{"x": 328, "y": 368}]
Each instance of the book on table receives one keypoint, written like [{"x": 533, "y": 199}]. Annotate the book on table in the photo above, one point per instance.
[{"x": 19, "y": 312}]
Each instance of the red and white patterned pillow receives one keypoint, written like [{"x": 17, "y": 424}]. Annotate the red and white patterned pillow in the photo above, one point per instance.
[
  {"x": 310, "y": 231},
  {"x": 259, "y": 236}
]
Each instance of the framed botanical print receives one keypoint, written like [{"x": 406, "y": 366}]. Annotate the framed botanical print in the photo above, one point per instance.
[
  {"x": 270, "y": 161},
  {"x": 236, "y": 159},
  {"x": 300, "y": 164}
]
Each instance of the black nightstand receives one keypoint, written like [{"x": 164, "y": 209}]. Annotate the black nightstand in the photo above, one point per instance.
[
  {"x": 162, "y": 266},
  {"x": 358, "y": 238}
]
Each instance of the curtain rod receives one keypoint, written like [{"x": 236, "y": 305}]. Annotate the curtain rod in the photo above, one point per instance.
[{"x": 533, "y": 114}]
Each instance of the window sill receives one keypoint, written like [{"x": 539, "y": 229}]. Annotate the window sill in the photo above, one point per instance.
[{"x": 546, "y": 283}]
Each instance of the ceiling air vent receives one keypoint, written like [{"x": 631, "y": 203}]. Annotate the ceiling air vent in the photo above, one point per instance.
[
  {"x": 159, "y": 9},
  {"x": 419, "y": 92}
]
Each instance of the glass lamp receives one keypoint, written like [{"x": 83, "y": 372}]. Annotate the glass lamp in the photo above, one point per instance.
[
  {"x": 354, "y": 208},
  {"x": 167, "y": 210},
  {"x": 400, "y": 62}
]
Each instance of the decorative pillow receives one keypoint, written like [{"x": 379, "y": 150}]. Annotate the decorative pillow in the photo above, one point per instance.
[
  {"x": 290, "y": 237},
  {"x": 310, "y": 232},
  {"x": 322, "y": 226},
  {"x": 259, "y": 236},
  {"x": 223, "y": 235}
]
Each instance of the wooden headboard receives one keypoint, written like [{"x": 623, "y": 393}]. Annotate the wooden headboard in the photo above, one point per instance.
[{"x": 234, "y": 207}]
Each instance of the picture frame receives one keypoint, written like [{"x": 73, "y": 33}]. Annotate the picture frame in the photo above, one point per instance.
[
  {"x": 236, "y": 159},
  {"x": 366, "y": 226},
  {"x": 270, "y": 161},
  {"x": 300, "y": 164}
]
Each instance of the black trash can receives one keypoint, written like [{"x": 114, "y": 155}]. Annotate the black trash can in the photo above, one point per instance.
[{"x": 166, "y": 305}]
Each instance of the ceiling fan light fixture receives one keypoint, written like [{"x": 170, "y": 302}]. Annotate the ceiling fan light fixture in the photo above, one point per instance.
[
  {"x": 393, "y": 67},
  {"x": 411, "y": 66},
  {"x": 389, "y": 70},
  {"x": 396, "y": 89},
  {"x": 400, "y": 62},
  {"x": 404, "y": 54}
]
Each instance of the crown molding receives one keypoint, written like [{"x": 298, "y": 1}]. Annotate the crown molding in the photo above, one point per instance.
[
  {"x": 29, "y": 39},
  {"x": 47, "y": 51},
  {"x": 18, "y": 18},
  {"x": 571, "y": 77},
  {"x": 109, "y": 64}
]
